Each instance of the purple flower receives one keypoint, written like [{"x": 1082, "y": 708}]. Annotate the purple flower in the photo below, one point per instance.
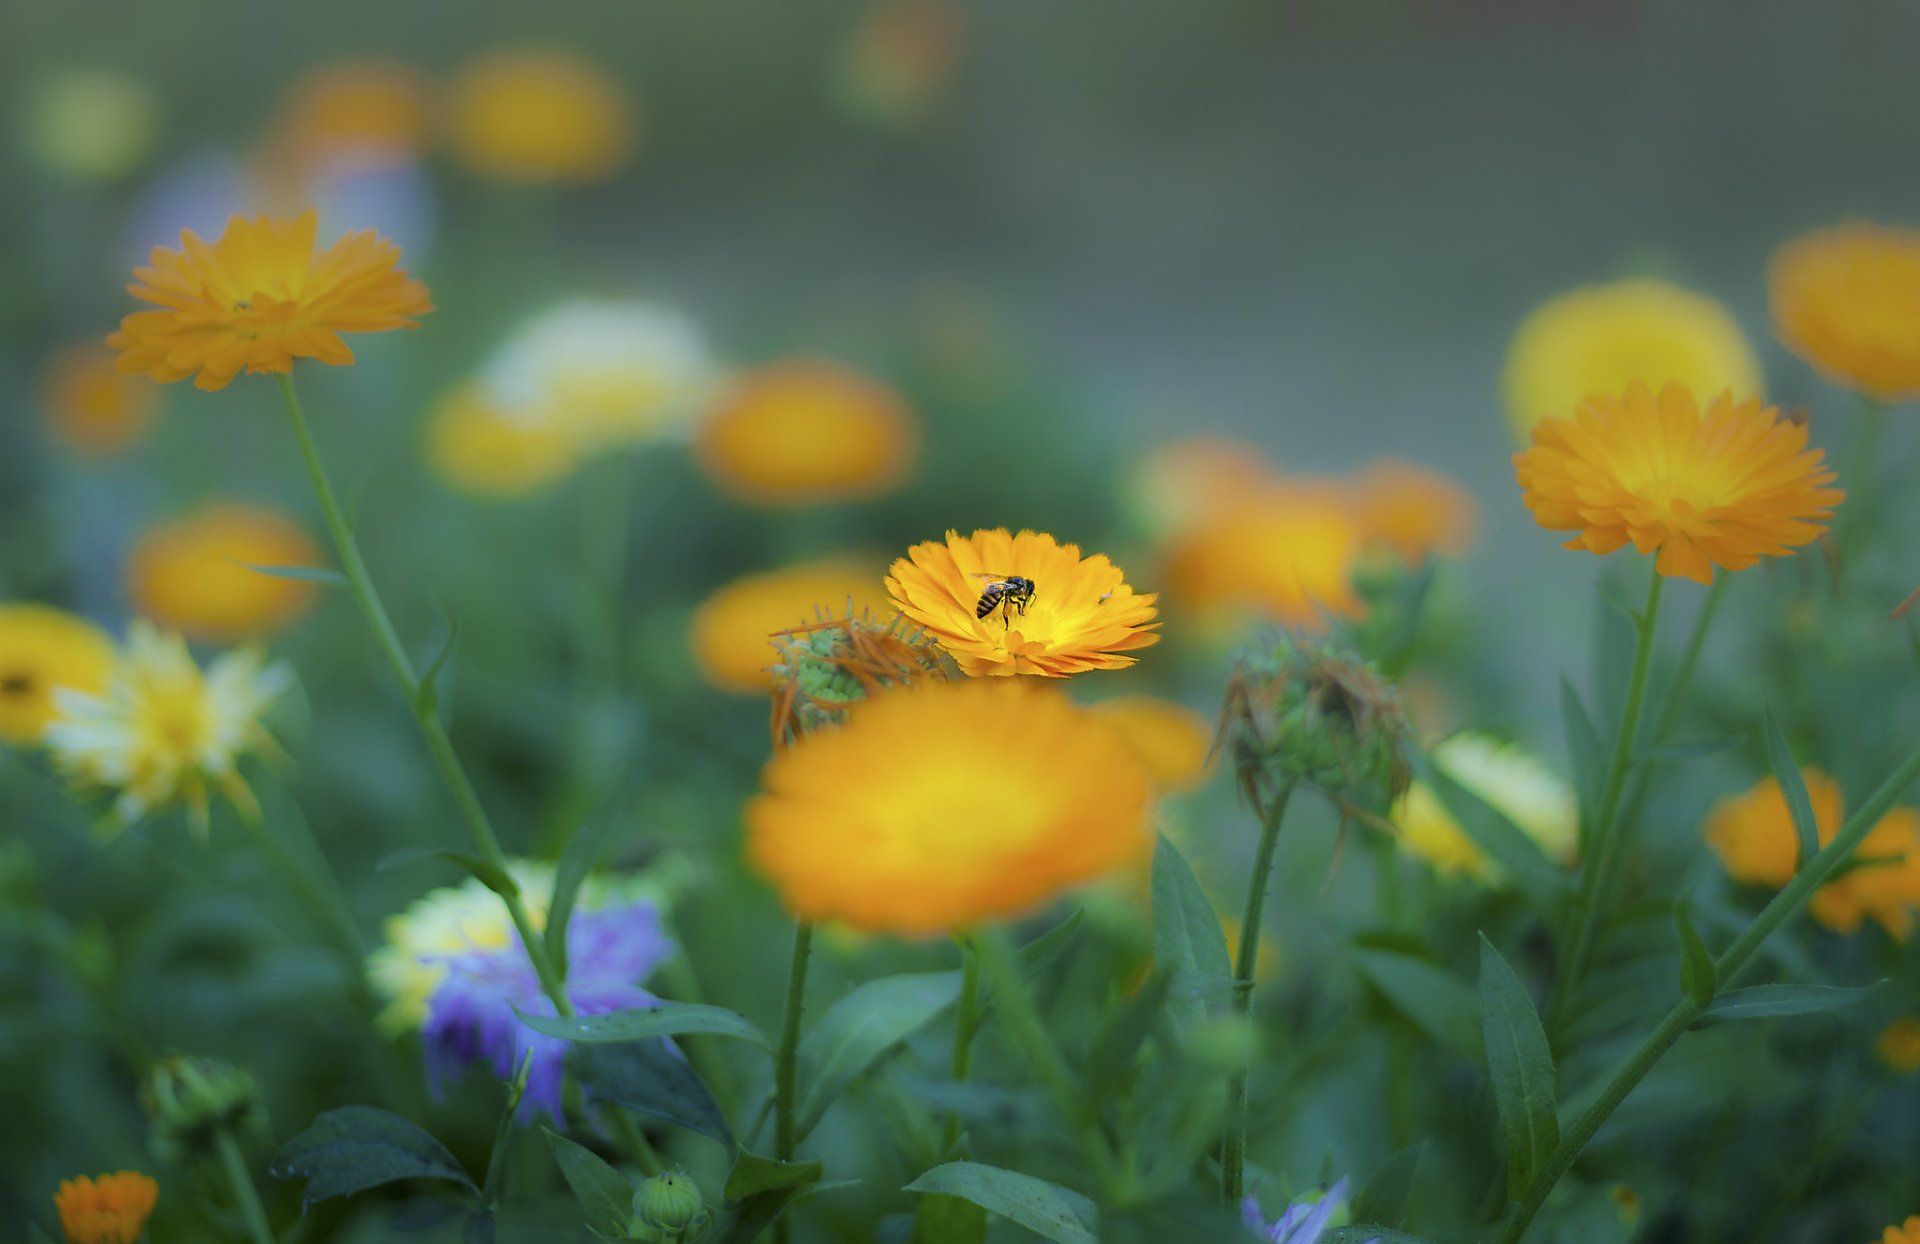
[
  {"x": 470, "y": 1014},
  {"x": 1304, "y": 1221}
]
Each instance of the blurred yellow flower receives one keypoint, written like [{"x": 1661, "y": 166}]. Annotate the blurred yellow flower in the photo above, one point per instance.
[
  {"x": 1752, "y": 833},
  {"x": 258, "y": 297},
  {"x": 1721, "y": 487},
  {"x": 1285, "y": 554},
  {"x": 732, "y": 630},
  {"x": 1414, "y": 511},
  {"x": 1847, "y": 300},
  {"x": 1901, "y": 1233},
  {"x": 898, "y": 60},
  {"x": 1899, "y": 1045},
  {"x": 357, "y": 113},
  {"x": 479, "y": 448},
  {"x": 192, "y": 575},
  {"x": 1512, "y": 781},
  {"x": 1081, "y": 614},
  {"x": 1181, "y": 481},
  {"x": 807, "y": 432},
  {"x": 92, "y": 124},
  {"x": 1173, "y": 740},
  {"x": 163, "y": 732},
  {"x": 42, "y": 648},
  {"x": 89, "y": 406},
  {"x": 942, "y": 806},
  {"x": 537, "y": 116},
  {"x": 107, "y": 1209},
  {"x": 1602, "y": 338}
]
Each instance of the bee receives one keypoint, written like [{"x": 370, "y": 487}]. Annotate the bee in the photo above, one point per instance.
[{"x": 1008, "y": 593}]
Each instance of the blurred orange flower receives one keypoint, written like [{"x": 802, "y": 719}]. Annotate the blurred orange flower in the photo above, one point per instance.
[
  {"x": 1414, "y": 511},
  {"x": 1286, "y": 554},
  {"x": 733, "y": 628},
  {"x": 258, "y": 297},
  {"x": 1174, "y": 740},
  {"x": 1899, "y": 1045},
  {"x": 1721, "y": 487},
  {"x": 90, "y": 406},
  {"x": 1847, "y": 300},
  {"x": 41, "y": 649},
  {"x": 363, "y": 113},
  {"x": 482, "y": 449},
  {"x": 1180, "y": 481},
  {"x": 807, "y": 432},
  {"x": 191, "y": 575},
  {"x": 538, "y": 116},
  {"x": 109, "y": 1209}
]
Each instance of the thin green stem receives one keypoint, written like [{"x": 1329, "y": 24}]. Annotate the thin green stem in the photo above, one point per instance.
[
  {"x": 1859, "y": 482},
  {"x": 966, "y": 1020},
  {"x": 235, "y": 1165},
  {"x": 1689, "y": 657},
  {"x": 786, "y": 1060},
  {"x": 1233, "y": 1144},
  {"x": 1604, "y": 841},
  {"x": 1728, "y": 969}
]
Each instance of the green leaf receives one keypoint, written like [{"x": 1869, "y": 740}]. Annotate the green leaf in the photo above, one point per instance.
[
  {"x": 1039, "y": 954},
  {"x": 666, "y": 1020},
  {"x": 424, "y": 702},
  {"x": 478, "y": 1228},
  {"x": 354, "y": 1148},
  {"x": 651, "y": 1078},
  {"x": 1048, "y": 1210},
  {"x": 1585, "y": 750},
  {"x": 1188, "y": 943},
  {"x": 503, "y": 1132},
  {"x": 583, "y": 850},
  {"x": 496, "y": 879},
  {"x": 1370, "y": 1235},
  {"x": 759, "y": 1190},
  {"x": 306, "y": 574},
  {"x": 1518, "y": 855},
  {"x": 753, "y": 1174},
  {"x": 1698, "y": 976},
  {"x": 942, "y": 1219},
  {"x": 1383, "y": 1197},
  {"x": 605, "y": 1195},
  {"x": 1793, "y": 786},
  {"x": 1772, "y": 1001},
  {"x": 859, "y": 1028},
  {"x": 1521, "y": 1065},
  {"x": 1434, "y": 1000},
  {"x": 1690, "y": 749}
]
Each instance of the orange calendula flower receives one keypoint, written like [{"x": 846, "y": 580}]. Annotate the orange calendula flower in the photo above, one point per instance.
[
  {"x": 1174, "y": 740},
  {"x": 1414, "y": 511},
  {"x": 941, "y": 806},
  {"x": 195, "y": 574},
  {"x": 109, "y": 1209},
  {"x": 1286, "y": 554},
  {"x": 1074, "y": 614},
  {"x": 1901, "y": 1233},
  {"x": 1182, "y": 481},
  {"x": 1847, "y": 300},
  {"x": 1721, "y": 487},
  {"x": 807, "y": 432},
  {"x": 540, "y": 117},
  {"x": 258, "y": 297},
  {"x": 732, "y": 628},
  {"x": 90, "y": 406},
  {"x": 1899, "y": 1045}
]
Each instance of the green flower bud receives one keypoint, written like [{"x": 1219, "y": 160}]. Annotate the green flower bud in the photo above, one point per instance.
[
  {"x": 668, "y": 1206},
  {"x": 192, "y": 1100},
  {"x": 1305, "y": 711},
  {"x": 827, "y": 667}
]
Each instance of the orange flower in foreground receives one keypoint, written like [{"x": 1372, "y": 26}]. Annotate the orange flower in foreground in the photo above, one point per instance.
[
  {"x": 533, "y": 116},
  {"x": 1721, "y": 487},
  {"x": 1847, "y": 300},
  {"x": 732, "y": 629},
  {"x": 193, "y": 575},
  {"x": 258, "y": 297},
  {"x": 90, "y": 406},
  {"x": 1082, "y": 614},
  {"x": 807, "y": 432},
  {"x": 1175, "y": 741},
  {"x": 941, "y": 806},
  {"x": 1286, "y": 554},
  {"x": 1414, "y": 511},
  {"x": 112, "y": 1209}
]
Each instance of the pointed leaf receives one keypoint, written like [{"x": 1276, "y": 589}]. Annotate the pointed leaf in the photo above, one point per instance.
[
  {"x": 423, "y": 695},
  {"x": 1773, "y": 1001},
  {"x": 496, "y": 879},
  {"x": 652, "y": 1078},
  {"x": 306, "y": 574},
  {"x": 666, "y": 1020},
  {"x": 1521, "y": 1065},
  {"x": 354, "y": 1148},
  {"x": 1383, "y": 1197},
  {"x": 1792, "y": 786},
  {"x": 859, "y": 1028},
  {"x": 583, "y": 850},
  {"x": 1048, "y": 1210},
  {"x": 943, "y": 1219},
  {"x": 605, "y": 1195},
  {"x": 753, "y": 1174},
  {"x": 1039, "y": 954},
  {"x": 1433, "y": 999},
  {"x": 1698, "y": 975},
  {"x": 1188, "y": 943}
]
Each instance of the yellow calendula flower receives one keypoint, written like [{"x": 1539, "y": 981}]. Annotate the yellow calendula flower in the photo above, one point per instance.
[
  {"x": 807, "y": 432},
  {"x": 539, "y": 117},
  {"x": 356, "y": 113},
  {"x": 1509, "y": 779},
  {"x": 1847, "y": 300},
  {"x": 1724, "y": 486},
  {"x": 43, "y": 649},
  {"x": 1286, "y": 555},
  {"x": 1175, "y": 741},
  {"x": 1022, "y": 604},
  {"x": 1414, "y": 511},
  {"x": 193, "y": 574},
  {"x": 1901, "y": 1233},
  {"x": 1899, "y": 1045},
  {"x": 106, "y": 1209},
  {"x": 258, "y": 297},
  {"x": 732, "y": 629},
  {"x": 1605, "y": 337},
  {"x": 90, "y": 407},
  {"x": 164, "y": 731},
  {"x": 941, "y": 806},
  {"x": 479, "y": 447}
]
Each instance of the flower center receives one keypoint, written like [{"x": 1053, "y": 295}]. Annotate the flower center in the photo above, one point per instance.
[{"x": 16, "y": 685}]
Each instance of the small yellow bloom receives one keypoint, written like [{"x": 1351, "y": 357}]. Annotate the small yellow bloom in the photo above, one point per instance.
[
  {"x": 732, "y": 630},
  {"x": 1082, "y": 615},
  {"x": 538, "y": 117},
  {"x": 1414, "y": 511},
  {"x": 1175, "y": 741},
  {"x": 1721, "y": 487},
  {"x": 107, "y": 1209},
  {"x": 1509, "y": 779},
  {"x": 354, "y": 113},
  {"x": 807, "y": 432},
  {"x": 1901, "y": 1233},
  {"x": 1602, "y": 338},
  {"x": 164, "y": 732},
  {"x": 480, "y": 448},
  {"x": 1285, "y": 554},
  {"x": 92, "y": 124},
  {"x": 941, "y": 806},
  {"x": 192, "y": 575},
  {"x": 258, "y": 297},
  {"x": 41, "y": 649},
  {"x": 1847, "y": 300},
  {"x": 1899, "y": 1045},
  {"x": 90, "y": 406}
]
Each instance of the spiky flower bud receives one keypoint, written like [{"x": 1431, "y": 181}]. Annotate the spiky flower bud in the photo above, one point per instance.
[
  {"x": 192, "y": 1100},
  {"x": 826, "y": 667},
  {"x": 668, "y": 1206}
]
